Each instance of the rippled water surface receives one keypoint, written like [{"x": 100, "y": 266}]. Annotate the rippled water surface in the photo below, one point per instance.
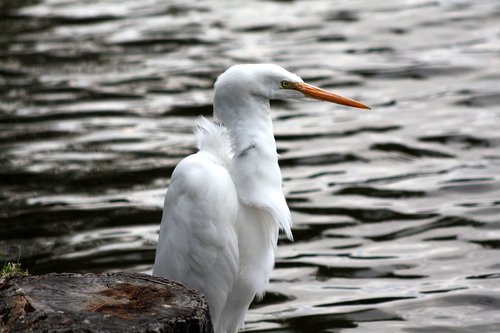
[{"x": 396, "y": 211}]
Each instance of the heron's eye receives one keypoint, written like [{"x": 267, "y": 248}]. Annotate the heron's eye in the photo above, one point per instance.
[{"x": 285, "y": 84}]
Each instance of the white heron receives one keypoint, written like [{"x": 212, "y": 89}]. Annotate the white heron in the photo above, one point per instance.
[{"x": 225, "y": 205}]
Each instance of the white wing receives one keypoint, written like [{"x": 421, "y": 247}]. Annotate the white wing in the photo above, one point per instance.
[{"x": 198, "y": 244}]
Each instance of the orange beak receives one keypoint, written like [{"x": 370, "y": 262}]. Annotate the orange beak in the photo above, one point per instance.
[{"x": 323, "y": 95}]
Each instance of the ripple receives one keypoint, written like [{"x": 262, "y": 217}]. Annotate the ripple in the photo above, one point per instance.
[
  {"x": 379, "y": 193},
  {"x": 440, "y": 223},
  {"x": 484, "y": 276},
  {"x": 271, "y": 298},
  {"x": 80, "y": 181},
  {"x": 190, "y": 111},
  {"x": 364, "y": 215},
  {"x": 171, "y": 42},
  {"x": 410, "y": 151},
  {"x": 311, "y": 232},
  {"x": 442, "y": 291},
  {"x": 317, "y": 323},
  {"x": 326, "y": 273},
  {"x": 366, "y": 301},
  {"x": 342, "y": 16},
  {"x": 464, "y": 141},
  {"x": 56, "y": 221},
  {"x": 357, "y": 131},
  {"x": 419, "y": 72},
  {"x": 320, "y": 159},
  {"x": 481, "y": 100},
  {"x": 67, "y": 115}
]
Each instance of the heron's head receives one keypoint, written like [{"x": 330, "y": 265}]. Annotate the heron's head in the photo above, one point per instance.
[{"x": 269, "y": 81}]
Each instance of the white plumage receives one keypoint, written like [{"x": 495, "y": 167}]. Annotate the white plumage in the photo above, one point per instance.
[{"x": 224, "y": 206}]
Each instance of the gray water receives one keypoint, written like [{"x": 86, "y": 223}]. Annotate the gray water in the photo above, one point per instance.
[{"x": 396, "y": 210}]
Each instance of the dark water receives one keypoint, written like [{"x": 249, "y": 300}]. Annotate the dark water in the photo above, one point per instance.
[{"x": 396, "y": 211}]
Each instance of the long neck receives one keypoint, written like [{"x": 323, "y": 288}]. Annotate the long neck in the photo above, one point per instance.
[
  {"x": 248, "y": 120},
  {"x": 255, "y": 170}
]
